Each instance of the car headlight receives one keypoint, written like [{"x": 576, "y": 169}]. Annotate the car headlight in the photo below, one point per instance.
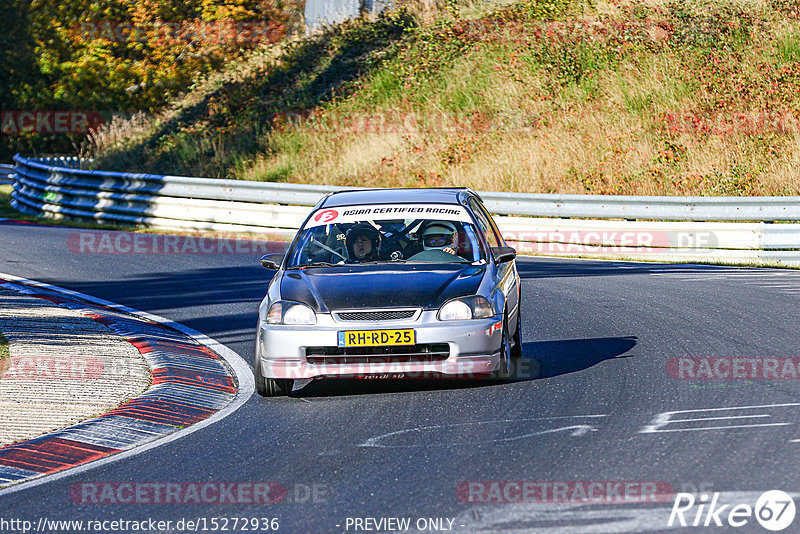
[
  {"x": 475, "y": 307},
  {"x": 283, "y": 312}
]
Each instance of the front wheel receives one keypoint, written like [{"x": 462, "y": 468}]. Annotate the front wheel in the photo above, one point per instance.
[
  {"x": 516, "y": 351},
  {"x": 271, "y": 387},
  {"x": 504, "y": 372},
  {"x": 278, "y": 387}
]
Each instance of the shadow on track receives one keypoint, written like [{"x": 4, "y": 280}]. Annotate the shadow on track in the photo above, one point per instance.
[
  {"x": 553, "y": 358},
  {"x": 334, "y": 387},
  {"x": 542, "y": 359}
]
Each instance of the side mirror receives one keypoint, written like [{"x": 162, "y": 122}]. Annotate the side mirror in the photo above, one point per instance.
[
  {"x": 503, "y": 254},
  {"x": 272, "y": 261}
]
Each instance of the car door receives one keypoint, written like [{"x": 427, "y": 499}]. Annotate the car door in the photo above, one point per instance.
[{"x": 507, "y": 277}]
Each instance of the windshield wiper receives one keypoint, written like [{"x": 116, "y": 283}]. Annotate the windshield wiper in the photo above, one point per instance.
[
  {"x": 374, "y": 262},
  {"x": 313, "y": 264}
]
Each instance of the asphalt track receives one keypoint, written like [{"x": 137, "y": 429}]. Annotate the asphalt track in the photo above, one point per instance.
[{"x": 599, "y": 336}]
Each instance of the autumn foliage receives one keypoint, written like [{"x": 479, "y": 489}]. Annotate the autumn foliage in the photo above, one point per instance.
[{"x": 116, "y": 57}]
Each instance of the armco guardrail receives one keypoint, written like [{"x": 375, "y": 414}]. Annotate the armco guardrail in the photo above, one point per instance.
[
  {"x": 57, "y": 187},
  {"x": 6, "y": 174},
  {"x": 636, "y": 207}
]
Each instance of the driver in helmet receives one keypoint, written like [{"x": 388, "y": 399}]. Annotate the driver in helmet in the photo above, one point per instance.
[
  {"x": 363, "y": 243},
  {"x": 439, "y": 235}
]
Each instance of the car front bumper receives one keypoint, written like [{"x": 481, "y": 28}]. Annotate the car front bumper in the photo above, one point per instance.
[{"x": 472, "y": 349}]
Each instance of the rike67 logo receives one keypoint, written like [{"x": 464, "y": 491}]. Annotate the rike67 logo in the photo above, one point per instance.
[{"x": 774, "y": 510}]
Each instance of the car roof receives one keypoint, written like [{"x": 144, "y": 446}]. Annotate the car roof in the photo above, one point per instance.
[{"x": 454, "y": 195}]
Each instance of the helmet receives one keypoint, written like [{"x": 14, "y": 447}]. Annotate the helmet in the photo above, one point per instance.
[
  {"x": 438, "y": 235},
  {"x": 362, "y": 229}
]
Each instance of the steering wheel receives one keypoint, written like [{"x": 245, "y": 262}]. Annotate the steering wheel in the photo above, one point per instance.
[{"x": 395, "y": 243}]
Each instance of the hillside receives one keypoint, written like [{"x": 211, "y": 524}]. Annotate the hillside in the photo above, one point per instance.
[
  {"x": 696, "y": 97},
  {"x": 66, "y": 67}
]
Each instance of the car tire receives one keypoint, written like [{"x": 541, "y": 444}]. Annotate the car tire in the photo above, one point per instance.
[
  {"x": 516, "y": 350},
  {"x": 504, "y": 372},
  {"x": 271, "y": 387},
  {"x": 278, "y": 387}
]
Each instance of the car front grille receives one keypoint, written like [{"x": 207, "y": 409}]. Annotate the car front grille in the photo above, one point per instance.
[
  {"x": 432, "y": 352},
  {"x": 376, "y": 315}
]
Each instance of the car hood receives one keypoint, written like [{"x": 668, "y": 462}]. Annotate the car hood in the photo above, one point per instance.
[{"x": 380, "y": 286}]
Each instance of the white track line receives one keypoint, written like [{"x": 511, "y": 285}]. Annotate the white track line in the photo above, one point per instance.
[{"x": 240, "y": 368}]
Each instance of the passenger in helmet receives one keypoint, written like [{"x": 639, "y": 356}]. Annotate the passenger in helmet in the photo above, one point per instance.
[
  {"x": 363, "y": 243},
  {"x": 439, "y": 235}
]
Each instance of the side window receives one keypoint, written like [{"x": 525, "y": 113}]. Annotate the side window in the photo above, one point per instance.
[{"x": 486, "y": 225}]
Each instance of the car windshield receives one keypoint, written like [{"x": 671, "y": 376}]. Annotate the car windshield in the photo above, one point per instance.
[{"x": 350, "y": 236}]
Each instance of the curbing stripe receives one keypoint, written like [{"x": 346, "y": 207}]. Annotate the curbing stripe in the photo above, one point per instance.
[
  {"x": 182, "y": 393},
  {"x": 191, "y": 377},
  {"x": 50, "y": 454},
  {"x": 194, "y": 385},
  {"x": 14, "y": 474},
  {"x": 165, "y": 412},
  {"x": 164, "y": 361},
  {"x": 115, "y": 431}
]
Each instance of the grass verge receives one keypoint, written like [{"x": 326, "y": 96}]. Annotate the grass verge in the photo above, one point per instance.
[{"x": 4, "y": 352}]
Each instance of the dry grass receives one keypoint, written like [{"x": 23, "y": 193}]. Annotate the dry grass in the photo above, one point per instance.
[
  {"x": 117, "y": 133},
  {"x": 427, "y": 11},
  {"x": 601, "y": 139},
  {"x": 607, "y": 142},
  {"x": 634, "y": 97},
  {"x": 126, "y": 131}
]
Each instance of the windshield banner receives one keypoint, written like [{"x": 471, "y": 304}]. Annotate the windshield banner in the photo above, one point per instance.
[{"x": 377, "y": 212}]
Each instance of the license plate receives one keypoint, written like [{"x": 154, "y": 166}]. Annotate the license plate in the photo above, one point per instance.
[{"x": 377, "y": 338}]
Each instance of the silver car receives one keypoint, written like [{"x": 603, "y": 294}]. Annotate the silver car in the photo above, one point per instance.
[{"x": 390, "y": 283}]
